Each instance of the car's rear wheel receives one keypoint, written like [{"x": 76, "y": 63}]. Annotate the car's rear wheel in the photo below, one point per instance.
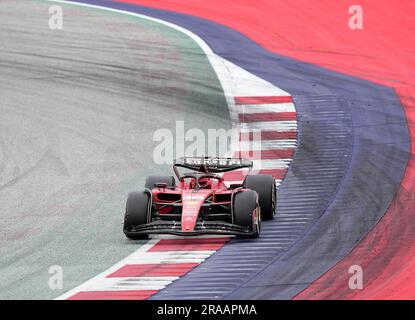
[
  {"x": 152, "y": 180},
  {"x": 245, "y": 205},
  {"x": 264, "y": 185},
  {"x": 136, "y": 213}
]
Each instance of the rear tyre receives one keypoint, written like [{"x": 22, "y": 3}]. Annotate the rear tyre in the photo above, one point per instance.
[
  {"x": 244, "y": 204},
  {"x": 136, "y": 214},
  {"x": 264, "y": 185},
  {"x": 168, "y": 180}
]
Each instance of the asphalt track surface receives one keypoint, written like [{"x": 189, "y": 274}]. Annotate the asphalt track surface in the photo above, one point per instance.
[{"x": 79, "y": 107}]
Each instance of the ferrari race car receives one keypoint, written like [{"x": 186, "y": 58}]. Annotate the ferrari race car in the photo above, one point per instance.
[{"x": 201, "y": 202}]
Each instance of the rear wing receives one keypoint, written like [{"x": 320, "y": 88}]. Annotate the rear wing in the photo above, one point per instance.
[{"x": 214, "y": 165}]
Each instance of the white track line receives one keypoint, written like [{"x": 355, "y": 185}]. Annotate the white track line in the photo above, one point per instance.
[
  {"x": 279, "y": 126},
  {"x": 271, "y": 164},
  {"x": 130, "y": 283},
  {"x": 261, "y": 108},
  {"x": 169, "y": 257},
  {"x": 257, "y": 145}
]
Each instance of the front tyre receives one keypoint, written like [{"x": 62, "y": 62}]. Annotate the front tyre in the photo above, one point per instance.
[
  {"x": 264, "y": 185},
  {"x": 246, "y": 212},
  {"x": 136, "y": 213}
]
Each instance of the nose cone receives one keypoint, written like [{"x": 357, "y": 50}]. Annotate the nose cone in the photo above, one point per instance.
[
  {"x": 190, "y": 214},
  {"x": 192, "y": 202}
]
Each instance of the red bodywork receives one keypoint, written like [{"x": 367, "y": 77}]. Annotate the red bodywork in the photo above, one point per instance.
[{"x": 191, "y": 198}]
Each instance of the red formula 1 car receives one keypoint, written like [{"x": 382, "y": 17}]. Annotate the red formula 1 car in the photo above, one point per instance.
[{"x": 201, "y": 202}]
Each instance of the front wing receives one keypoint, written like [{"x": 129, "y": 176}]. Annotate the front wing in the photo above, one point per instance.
[{"x": 205, "y": 227}]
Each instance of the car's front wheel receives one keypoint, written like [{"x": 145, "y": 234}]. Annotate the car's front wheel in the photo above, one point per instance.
[
  {"x": 264, "y": 185},
  {"x": 136, "y": 213},
  {"x": 246, "y": 212}
]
